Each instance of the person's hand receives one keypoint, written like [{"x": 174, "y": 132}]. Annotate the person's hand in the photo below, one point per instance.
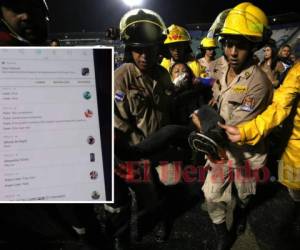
[
  {"x": 212, "y": 102},
  {"x": 196, "y": 121},
  {"x": 196, "y": 81},
  {"x": 232, "y": 132},
  {"x": 223, "y": 157}
]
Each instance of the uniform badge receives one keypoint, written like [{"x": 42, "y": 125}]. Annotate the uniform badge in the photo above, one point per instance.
[
  {"x": 119, "y": 96},
  {"x": 248, "y": 103},
  {"x": 240, "y": 88},
  {"x": 247, "y": 74}
]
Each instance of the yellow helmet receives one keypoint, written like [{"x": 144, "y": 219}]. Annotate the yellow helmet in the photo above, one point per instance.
[
  {"x": 177, "y": 34},
  {"x": 207, "y": 42},
  {"x": 247, "y": 20}
]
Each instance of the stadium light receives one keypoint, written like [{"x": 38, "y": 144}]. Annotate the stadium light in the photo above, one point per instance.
[{"x": 133, "y": 3}]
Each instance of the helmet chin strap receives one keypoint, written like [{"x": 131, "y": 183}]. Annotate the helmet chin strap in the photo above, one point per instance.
[{"x": 13, "y": 33}]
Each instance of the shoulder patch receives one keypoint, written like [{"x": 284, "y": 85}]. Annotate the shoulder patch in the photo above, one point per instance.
[{"x": 248, "y": 103}]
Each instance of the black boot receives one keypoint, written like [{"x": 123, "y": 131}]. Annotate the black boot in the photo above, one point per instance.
[
  {"x": 163, "y": 230},
  {"x": 296, "y": 224},
  {"x": 223, "y": 237},
  {"x": 120, "y": 243},
  {"x": 118, "y": 228},
  {"x": 239, "y": 220}
]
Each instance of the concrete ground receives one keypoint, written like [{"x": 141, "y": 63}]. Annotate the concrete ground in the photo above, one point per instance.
[{"x": 268, "y": 227}]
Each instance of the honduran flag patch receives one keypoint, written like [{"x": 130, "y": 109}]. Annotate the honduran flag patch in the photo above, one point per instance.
[{"x": 119, "y": 96}]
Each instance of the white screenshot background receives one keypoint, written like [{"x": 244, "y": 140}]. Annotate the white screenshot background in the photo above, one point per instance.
[{"x": 50, "y": 145}]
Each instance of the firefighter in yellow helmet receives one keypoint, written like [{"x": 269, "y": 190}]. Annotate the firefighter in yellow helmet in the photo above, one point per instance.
[
  {"x": 285, "y": 106},
  {"x": 178, "y": 44},
  {"x": 207, "y": 47},
  {"x": 241, "y": 91}
]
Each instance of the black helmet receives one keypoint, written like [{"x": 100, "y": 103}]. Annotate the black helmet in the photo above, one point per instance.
[
  {"x": 22, "y": 5},
  {"x": 38, "y": 9},
  {"x": 142, "y": 27}
]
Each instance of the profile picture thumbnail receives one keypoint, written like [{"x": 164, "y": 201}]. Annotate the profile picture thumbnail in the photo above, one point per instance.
[
  {"x": 88, "y": 113},
  {"x": 92, "y": 157},
  {"x": 95, "y": 195},
  {"x": 93, "y": 175},
  {"x": 85, "y": 71},
  {"x": 87, "y": 95},
  {"x": 91, "y": 140}
]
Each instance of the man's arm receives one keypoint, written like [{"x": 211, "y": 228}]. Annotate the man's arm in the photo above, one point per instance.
[
  {"x": 258, "y": 128},
  {"x": 123, "y": 119}
]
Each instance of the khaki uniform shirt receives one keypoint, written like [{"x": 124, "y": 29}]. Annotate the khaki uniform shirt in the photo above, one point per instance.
[
  {"x": 142, "y": 103},
  {"x": 217, "y": 65},
  {"x": 243, "y": 99}
]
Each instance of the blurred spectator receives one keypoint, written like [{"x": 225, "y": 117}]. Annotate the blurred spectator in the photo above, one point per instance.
[
  {"x": 284, "y": 55},
  {"x": 112, "y": 33},
  {"x": 271, "y": 65},
  {"x": 293, "y": 58},
  {"x": 54, "y": 43}
]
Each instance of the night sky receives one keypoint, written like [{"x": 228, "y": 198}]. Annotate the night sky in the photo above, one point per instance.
[{"x": 97, "y": 15}]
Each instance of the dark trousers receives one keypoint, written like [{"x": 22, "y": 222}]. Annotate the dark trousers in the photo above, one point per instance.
[{"x": 170, "y": 143}]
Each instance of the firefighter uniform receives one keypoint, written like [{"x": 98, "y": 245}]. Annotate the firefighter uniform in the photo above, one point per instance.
[
  {"x": 216, "y": 65},
  {"x": 178, "y": 36},
  {"x": 241, "y": 91},
  {"x": 142, "y": 104},
  {"x": 141, "y": 107},
  {"x": 286, "y": 98},
  {"x": 241, "y": 100}
]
